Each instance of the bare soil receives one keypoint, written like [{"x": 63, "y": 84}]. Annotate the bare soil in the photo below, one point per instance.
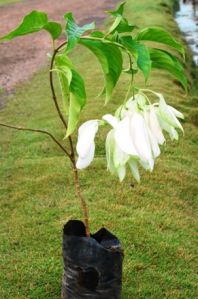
[{"x": 20, "y": 58}]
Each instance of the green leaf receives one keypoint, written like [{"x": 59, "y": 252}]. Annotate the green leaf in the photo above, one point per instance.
[
  {"x": 74, "y": 32},
  {"x": 110, "y": 58},
  {"x": 74, "y": 113},
  {"x": 114, "y": 37},
  {"x": 118, "y": 11},
  {"x": 163, "y": 60},
  {"x": 129, "y": 43},
  {"x": 73, "y": 90},
  {"x": 77, "y": 101},
  {"x": 159, "y": 35},
  {"x": 124, "y": 26},
  {"x": 140, "y": 52},
  {"x": 63, "y": 69},
  {"x": 144, "y": 61},
  {"x": 55, "y": 29},
  {"x": 77, "y": 87},
  {"x": 97, "y": 34},
  {"x": 115, "y": 24},
  {"x": 121, "y": 25},
  {"x": 34, "y": 22}
]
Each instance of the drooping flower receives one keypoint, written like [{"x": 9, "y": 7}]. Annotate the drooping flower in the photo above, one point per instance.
[
  {"x": 154, "y": 125},
  {"x": 86, "y": 145},
  {"x": 116, "y": 159},
  {"x": 167, "y": 116},
  {"x": 118, "y": 152}
]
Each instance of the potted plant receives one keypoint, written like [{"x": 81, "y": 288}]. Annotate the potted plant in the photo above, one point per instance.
[{"x": 93, "y": 262}]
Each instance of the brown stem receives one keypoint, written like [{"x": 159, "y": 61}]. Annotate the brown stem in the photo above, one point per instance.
[
  {"x": 82, "y": 200},
  {"x": 53, "y": 90},
  {"x": 72, "y": 154},
  {"x": 75, "y": 171},
  {"x": 37, "y": 131}
]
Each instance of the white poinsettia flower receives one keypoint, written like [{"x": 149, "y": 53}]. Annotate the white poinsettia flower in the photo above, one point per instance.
[
  {"x": 154, "y": 125},
  {"x": 154, "y": 144},
  {"x": 167, "y": 117},
  {"x": 168, "y": 128},
  {"x": 169, "y": 114},
  {"x": 86, "y": 146},
  {"x": 176, "y": 112},
  {"x": 111, "y": 120},
  {"x": 86, "y": 161},
  {"x": 116, "y": 158},
  {"x": 141, "y": 139},
  {"x": 133, "y": 164},
  {"x": 124, "y": 137},
  {"x": 121, "y": 150}
]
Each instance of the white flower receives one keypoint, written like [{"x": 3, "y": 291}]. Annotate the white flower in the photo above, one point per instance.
[
  {"x": 140, "y": 135},
  {"x": 167, "y": 118},
  {"x": 123, "y": 137},
  {"x": 134, "y": 169},
  {"x": 154, "y": 125},
  {"x": 116, "y": 159},
  {"x": 117, "y": 148},
  {"x": 169, "y": 114},
  {"x": 135, "y": 137},
  {"x": 85, "y": 145}
]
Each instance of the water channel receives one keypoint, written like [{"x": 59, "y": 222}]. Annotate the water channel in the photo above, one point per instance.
[{"x": 187, "y": 20}]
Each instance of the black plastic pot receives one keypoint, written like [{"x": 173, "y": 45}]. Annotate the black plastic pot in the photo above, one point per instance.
[{"x": 92, "y": 266}]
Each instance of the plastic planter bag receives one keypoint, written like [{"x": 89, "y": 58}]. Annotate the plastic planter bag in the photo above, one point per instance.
[{"x": 92, "y": 266}]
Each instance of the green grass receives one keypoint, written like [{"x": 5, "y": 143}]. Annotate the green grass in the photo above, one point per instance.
[
  {"x": 156, "y": 220},
  {"x": 4, "y": 2}
]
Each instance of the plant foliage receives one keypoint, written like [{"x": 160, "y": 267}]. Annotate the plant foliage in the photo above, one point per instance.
[
  {"x": 110, "y": 48},
  {"x": 34, "y": 22}
]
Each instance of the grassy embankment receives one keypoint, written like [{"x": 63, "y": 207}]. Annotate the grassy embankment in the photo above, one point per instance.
[{"x": 155, "y": 220}]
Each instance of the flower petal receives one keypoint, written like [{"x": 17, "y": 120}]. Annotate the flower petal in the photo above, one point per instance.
[
  {"x": 155, "y": 126},
  {"x": 134, "y": 169},
  {"x": 86, "y": 135},
  {"x": 176, "y": 112},
  {"x": 168, "y": 114},
  {"x": 121, "y": 172},
  {"x": 112, "y": 120},
  {"x": 154, "y": 144},
  {"x": 140, "y": 136},
  {"x": 123, "y": 137},
  {"x": 86, "y": 161},
  {"x": 147, "y": 165},
  {"x": 168, "y": 128},
  {"x": 119, "y": 157},
  {"x": 110, "y": 145}
]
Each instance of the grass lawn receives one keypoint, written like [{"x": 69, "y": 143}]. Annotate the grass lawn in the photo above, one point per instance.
[
  {"x": 156, "y": 220},
  {"x": 3, "y": 2}
]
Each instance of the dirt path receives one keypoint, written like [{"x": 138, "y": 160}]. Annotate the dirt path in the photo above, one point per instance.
[{"x": 20, "y": 58}]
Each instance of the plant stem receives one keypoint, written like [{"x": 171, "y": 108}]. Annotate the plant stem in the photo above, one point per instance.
[
  {"x": 83, "y": 201},
  {"x": 72, "y": 154},
  {"x": 53, "y": 90},
  {"x": 75, "y": 171},
  {"x": 37, "y": 131},
  {"x": 132, "y": 79}
]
